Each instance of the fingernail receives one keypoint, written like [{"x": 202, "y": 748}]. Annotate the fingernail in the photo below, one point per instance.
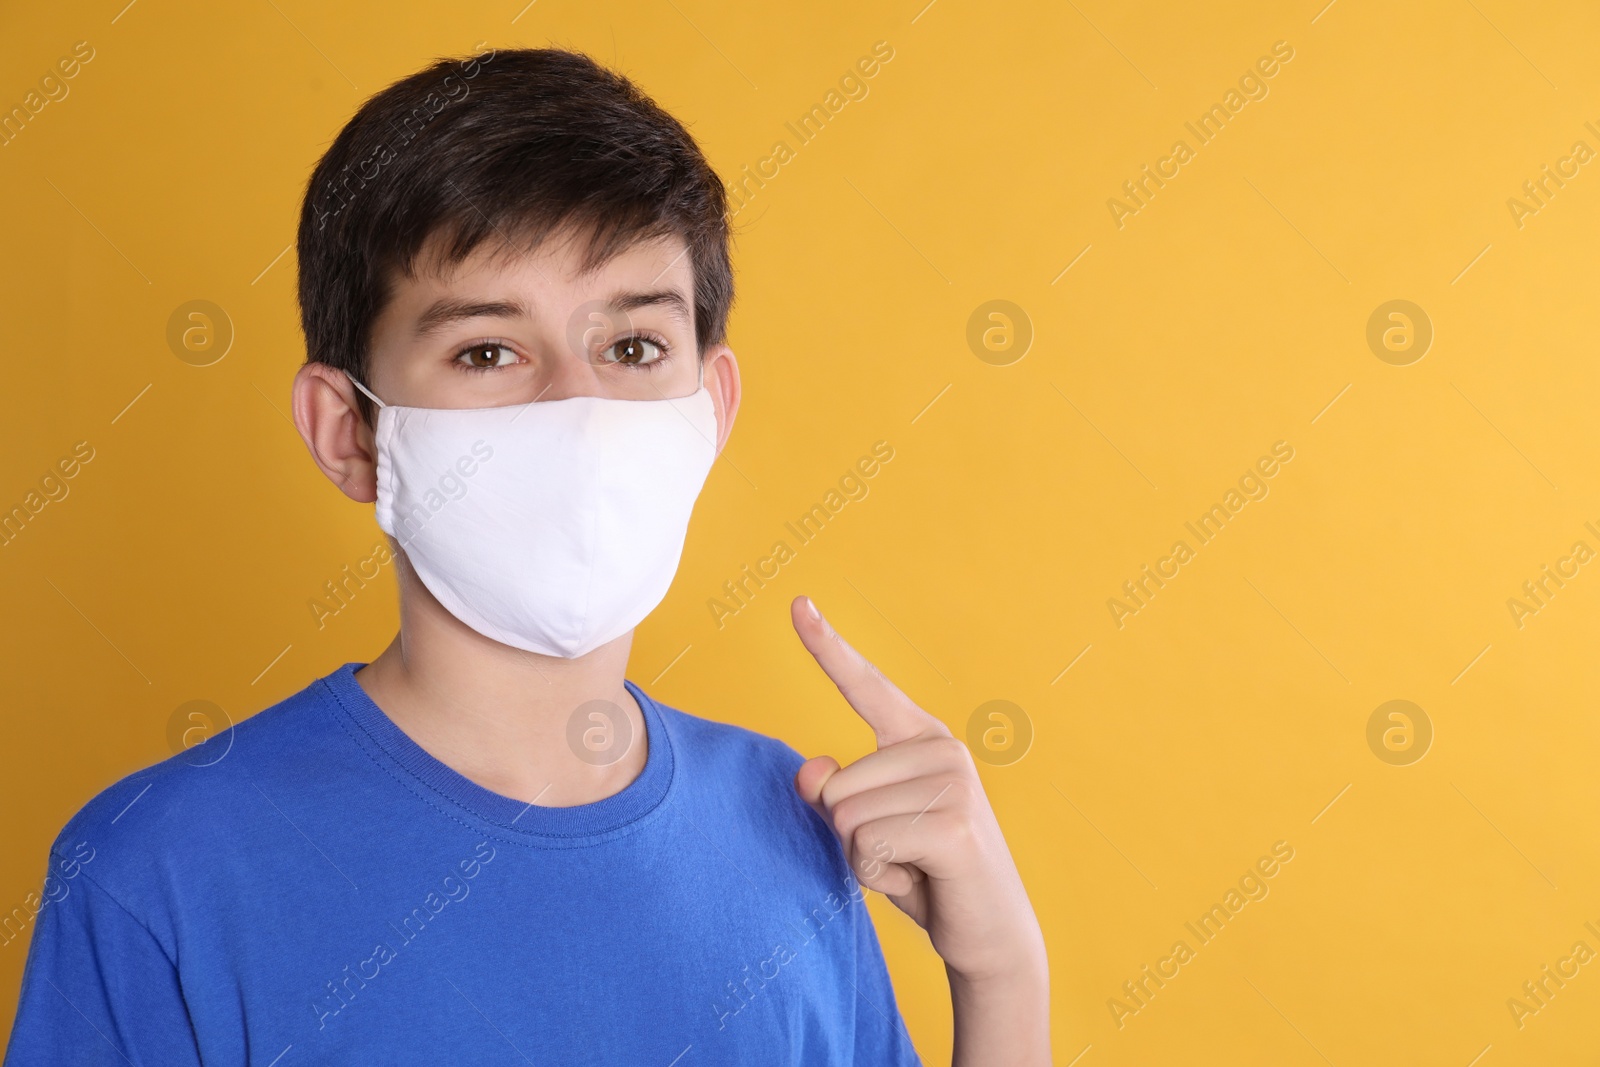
[{"x": 811, "y": 609}]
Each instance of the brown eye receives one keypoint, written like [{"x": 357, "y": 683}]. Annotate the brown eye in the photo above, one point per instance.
[
  {"x": 636, "y": 351},
  {"x": 485, "y": 356}
]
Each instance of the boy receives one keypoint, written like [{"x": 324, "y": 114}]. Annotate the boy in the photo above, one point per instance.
[{"x": 487, "y": 846}]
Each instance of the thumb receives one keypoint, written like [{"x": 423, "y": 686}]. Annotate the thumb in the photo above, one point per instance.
[{"x": 809, "y": 780}]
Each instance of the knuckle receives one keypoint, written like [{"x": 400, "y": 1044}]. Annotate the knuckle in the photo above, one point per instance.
[
  {"x": 870, "y": 863},
  {"x": 867, "y": 842},
  {"x": 958, "y": 829},
  {"x": 953, "y": 753}
]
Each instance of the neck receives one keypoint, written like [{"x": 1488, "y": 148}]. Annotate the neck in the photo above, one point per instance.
[{"x": 500, "y": 716}]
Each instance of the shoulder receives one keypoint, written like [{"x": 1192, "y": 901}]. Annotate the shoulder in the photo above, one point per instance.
[
  {"x": 736, "y": 767},
  {"x": 746, "y": 779},
  {"x": 135, "y": 830},
  {"x": 712, "y": 745}
]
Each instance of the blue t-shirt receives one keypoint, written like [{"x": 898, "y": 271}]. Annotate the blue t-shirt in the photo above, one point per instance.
[{"x": 312, "y": 887}]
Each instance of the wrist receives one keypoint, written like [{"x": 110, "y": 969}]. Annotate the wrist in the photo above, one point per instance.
[
  {"x": 1023, "y": 969},
  {"x": 1013, "y": 957}
]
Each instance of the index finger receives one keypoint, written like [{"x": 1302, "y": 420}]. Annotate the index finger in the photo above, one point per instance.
[{"x": 893, "y": 716}]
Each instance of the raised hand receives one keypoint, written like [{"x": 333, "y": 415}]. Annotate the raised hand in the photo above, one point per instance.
[{"x": 915, "y": 824}]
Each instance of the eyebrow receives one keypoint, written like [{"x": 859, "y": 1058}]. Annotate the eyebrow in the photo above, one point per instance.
[
  {"x": 443, "y": 312},
  {"x": 669, "y": 299},
  {"x": 448, "y": 310}
]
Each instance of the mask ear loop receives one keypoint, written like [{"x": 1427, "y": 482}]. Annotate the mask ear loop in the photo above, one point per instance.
[{"x": 364, "y": 389}]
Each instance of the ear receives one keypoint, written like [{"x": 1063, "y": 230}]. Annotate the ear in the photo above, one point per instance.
[
  {"x": 329, "y": 421},
  {"x": 722, "y": 380}
]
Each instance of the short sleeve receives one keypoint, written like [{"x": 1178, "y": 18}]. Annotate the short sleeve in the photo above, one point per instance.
[
  {"x": 881, "y": 1035},
  {"x": 98, "y": 988}
]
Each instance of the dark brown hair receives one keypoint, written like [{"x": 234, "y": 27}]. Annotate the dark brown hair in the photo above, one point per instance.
[{"x": 524, "y": 142}]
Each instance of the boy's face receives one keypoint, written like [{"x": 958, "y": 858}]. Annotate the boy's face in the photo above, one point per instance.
[{"x": 509, "y": 328}]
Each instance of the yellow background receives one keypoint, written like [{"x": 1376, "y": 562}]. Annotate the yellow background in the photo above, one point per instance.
[{"x": 1223, "y": 317}]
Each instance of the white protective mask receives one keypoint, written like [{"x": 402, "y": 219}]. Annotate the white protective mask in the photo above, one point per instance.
[{"x": 553, "y": 526}]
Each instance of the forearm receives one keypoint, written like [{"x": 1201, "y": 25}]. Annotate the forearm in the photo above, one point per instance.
[{"x": 1002, "y": 1021}]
